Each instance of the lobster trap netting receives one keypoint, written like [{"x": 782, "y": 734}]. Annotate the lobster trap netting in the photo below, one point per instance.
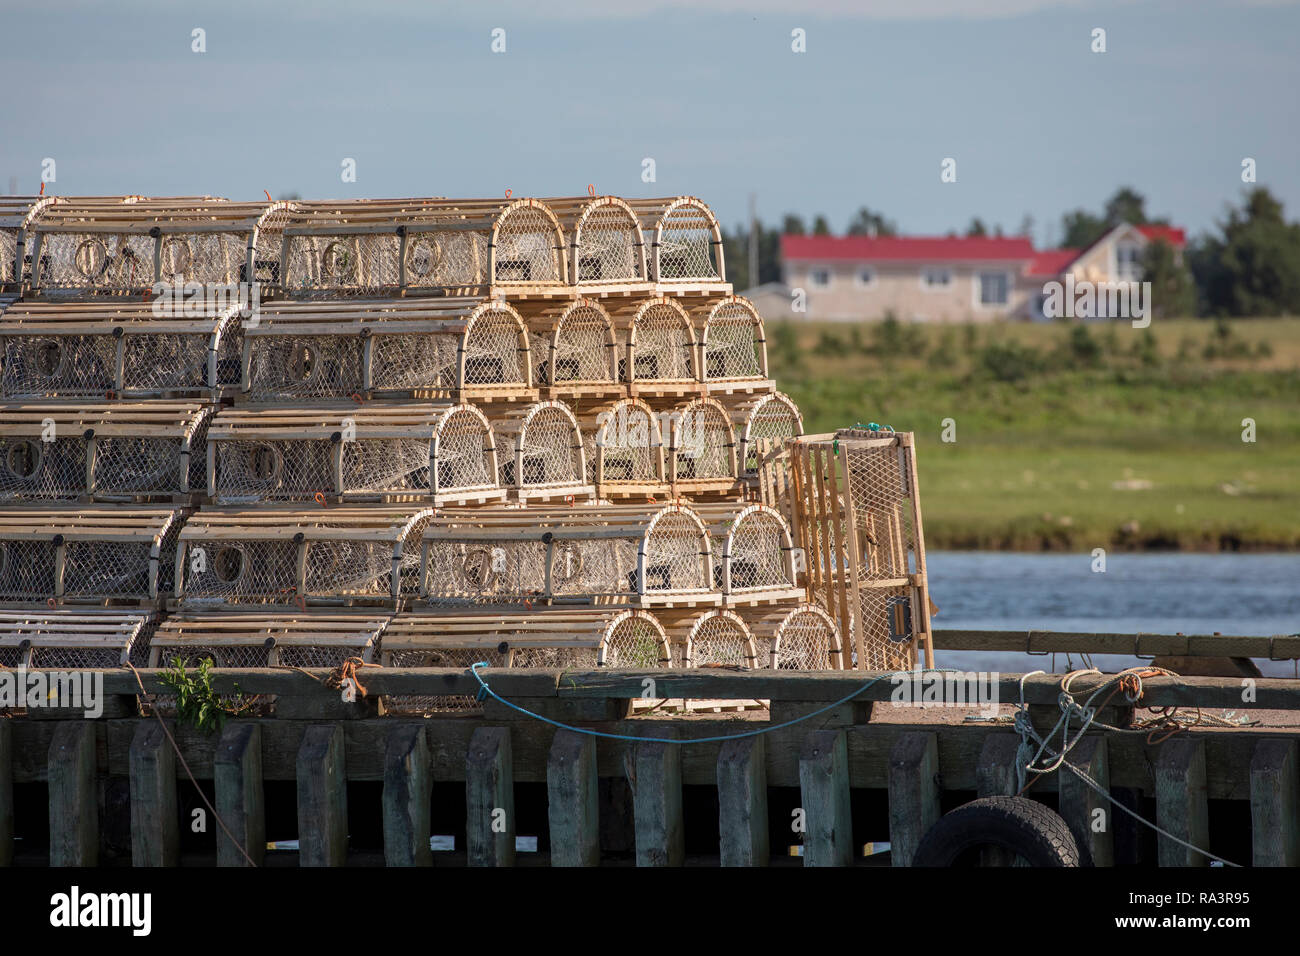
[
  {"x": 451, "y": 259},
  {"x": 663, "y": 345},
  {"x": 527, "y": 247},
  {"x": 107, "y": 569},
  {"x": 459, "y": 657},
  {"x": 175, "y": 362},
  {"x": 579, "y": 352},
  {"x": 8, "y": 256},
  {"x": 268, "y": 243},
  {"x": 880, "y": 511},
  {"x": 758, "y": 552},
  {"x": 240, "y": 572},
  {"x": 26, "y": 570},
  {"x": 609, "y": 248},
  {"x": 637, "y": 643},
  {"x": 414, "y": 362},
  {"x": 464, "y": 458},
  {"x": 387, "y": 465},
  {"x": 79, "y": 658},
  {"x": 283, "y": 470},
  {"x": 686, "y": 245},
  {"x": 807, "y": 641},
  {"x": 458, "y": 572},
  {"x": 732, "y": 343},
  {"x": 318, "y": 655},
  {"x": 341, "y": 264},
  {"x": 550, "y": 450},
  {"x": 598, "y": 566},
  {"x": 703, "y": 442},
  {"x": 554, "y": 657},
  {"x": 208, "y": 257},
  {"x": 316, "y": 366},
  {"x": 82, "y": 262},
  {"x": 35, "y": 469},
  {"x": 130, "y": 465},
  {"x": 62, "y": 365},
  {"x": 625, "y": 444},
  {"x": 341, "y": 567},
  {"x": 495, "y": 348},
  {"x": 775, "y": 419},
  {"x": 676, "y": 556},
  {"x": 720, "y": 639}
]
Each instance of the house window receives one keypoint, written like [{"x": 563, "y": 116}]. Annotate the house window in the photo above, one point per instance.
[
  {"x": 819, "y": 278},
  {"x": 995, "y": 288},
  {"x": 865, "y": 276},
  {"x": 936, "y": 277},
  {"x": 1128, "y": 262}
]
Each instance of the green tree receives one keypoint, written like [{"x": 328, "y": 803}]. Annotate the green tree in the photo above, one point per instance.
[
  {"x": 868, "y": 223},
  {"x": 792, "y": 225},
  {"x": 1254, "y": 267},
  {"x": 1127, "y": 205},
  {"x": 1173, "y": 293},
  {"x": 1081, "y": 228},
  {"x": 821, "y": 227},
  {"x": 976, "y": 228}
]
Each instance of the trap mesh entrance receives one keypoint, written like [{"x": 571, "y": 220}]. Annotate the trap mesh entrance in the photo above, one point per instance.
[
  {"x": 68, "y": 365},
  {"x": 446, "y": 259},
  {"x": 367, "y": 264},
  {"x": 282, "y": 470},
  {"x": 82, "y": 262},
  {"x": 315, "y": 366},
  {"x": 32, "y": 468},
  {"x": 240, "y": 572}
]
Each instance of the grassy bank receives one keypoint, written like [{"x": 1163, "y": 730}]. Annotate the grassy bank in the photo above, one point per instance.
[{"x": 1073, "y": 437}]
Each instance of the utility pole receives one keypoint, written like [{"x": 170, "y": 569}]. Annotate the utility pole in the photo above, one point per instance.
[{"x": 753, "y": 240}]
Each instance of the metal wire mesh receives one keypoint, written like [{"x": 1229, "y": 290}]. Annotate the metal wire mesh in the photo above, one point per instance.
[
  {"x": 343, "y": 567},
  {"x": 720, "y": 639},
  {"x": 284, "y": 470},
  {"x": 67, "y": 365},
  {"x": 600, "y": 566},
  {"x": 686, "y": 246},
  {"x": 387, "y": 465},
  {"x": 172, "y": 362},
  {"x": 608, "y": 246},
  {"x": 314, "y": 366},
  {"x": 758, "y": 552},
  {"x": 703, "y": 442},
  {"x": 663, "y": 345},
  {"x": 79, "y": 262},
  {"x": 34, "y": 469},
  {"x": 26, "y": 570},
  {"x": 731, "y": 343},
  {"x": 526, "y": 247},
  {"x": 579, "y": 355}
]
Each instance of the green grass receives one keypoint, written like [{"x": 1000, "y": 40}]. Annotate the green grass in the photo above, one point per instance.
[{"x": 1120, "y": 439}]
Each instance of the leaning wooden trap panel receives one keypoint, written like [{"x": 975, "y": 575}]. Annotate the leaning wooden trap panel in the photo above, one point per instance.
[
  {"x": 606, "y": 249},
  {"x": 397, "y": 451},
  {"x": 574, "y": 349},
  {"x": 80, "y": 554},
  {"x": 105, "y": 348},
  {"x": 451, "y": 349},
  {"x": 716, "y": 637},
  {"x": 72, "y": 638},
  {"x": 268, "y": 638},
  {"x": 102, "y": 451},
  {"x": 605, "y": 554},
  {"x": 84, "y": 245},
  {"x": 804, "y": 637},
  {"x": 684, "y": 246},
  {"x": 624, "y": 443},
  {"x": 753, "y": 553},
  {"x": 16, "y": 215},
  {"x": 860, "y": 527},
  {"x": 474, "y": 247},
  {"x": 732, "y": 347},
  {"x": 336, "y": 555},
  {"x": 540, "y": 453}
]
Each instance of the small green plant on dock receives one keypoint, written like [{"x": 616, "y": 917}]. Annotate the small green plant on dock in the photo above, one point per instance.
[{"x": 196, "y": 702}]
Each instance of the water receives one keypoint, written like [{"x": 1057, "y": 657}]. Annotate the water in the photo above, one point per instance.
[{"x": 1239, "y": 594}]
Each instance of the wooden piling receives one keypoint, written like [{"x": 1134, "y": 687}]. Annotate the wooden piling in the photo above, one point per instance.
[
  {"x": 573, "y": 800},
  {"x": 74, "y": 809},
  {"x": 657, "y": 802},
  {"x": 6, "y": 794},
  {"x": 408, "y": 790},
  {"x": 913, "y": 793},
  {"x": 1091, "y": 816},
  {"x": 1274, "y": 826},
  {"x": 824, "y": 792},
  {"x": 490, "y": 799},
  {"x": 240, "y": 801},
  {"x": 995, "y": 773},
  {"x": 155, "y": 826},
  {"x": 1182, "y": 807},
  {"x": 742, "y": 803},
  {"x": 322, "y": 798}
]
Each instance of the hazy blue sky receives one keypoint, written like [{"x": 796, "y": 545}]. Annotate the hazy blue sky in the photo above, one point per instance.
[{"x": 709, "y": 88}]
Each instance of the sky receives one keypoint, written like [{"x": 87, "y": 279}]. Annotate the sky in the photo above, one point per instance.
[{"x": 710, "y": 90}]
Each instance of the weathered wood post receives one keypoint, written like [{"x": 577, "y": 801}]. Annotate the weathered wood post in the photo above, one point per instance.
[
  {"x": 742, "y": 803},
  {"x": 6, "y": 793},
  {"x": 490, "y": 799},
  {"x": 408, "y": 786},
  {"x": 913, "y": 793},
  {"x": 240, "y": 801},
  {"x": 573, "y": 800},
  {"x": 657, "y": 802},
  {"x": 1182, "y": 804},
  {"x": 1091, "y": 816},
  {"x": 1274, "y": 827},
  {"x": 322, "y": 797},
  {"x": 74, "y": 810},
  {"x": 824, "y": 792},
  {"x": 995, "y": 773},
  {"x": 155, "y": 827}
]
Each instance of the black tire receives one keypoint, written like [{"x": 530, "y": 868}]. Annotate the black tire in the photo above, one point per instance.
[{"x": 1023, "y": 828}]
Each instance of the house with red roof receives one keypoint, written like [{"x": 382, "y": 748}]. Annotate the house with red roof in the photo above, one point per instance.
[{"x": 942, "y": 279}]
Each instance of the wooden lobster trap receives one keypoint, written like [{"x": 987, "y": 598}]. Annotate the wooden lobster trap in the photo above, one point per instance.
[
  {"x": 764, "y": 423},
  {"x": 102, "y": 451},
  {"x": 268, "y": 638},
  {"x": 710, "y": 638},
  {"x": 78, "y": 555},
  {"x": 732, "y": 347},
  {"x": 606, "y": 249},
  {"x": 660, "y": 359},
  {"x": 859, "y": 509},
  {"x": 106, "y": 348},
  {"x": 338, "y": 555},
  {"x": 462, "y": 350},
  {"x": 410, "y": 451},
  {"x": 634, "y": 555},
  {"x": 685, "y": 246},
  {"x": 125, "y": 245},
  {"x": 702, "y": 457},
  {"x": 802, "y": 638},
  {"x": 16, "y": 215},
  {"x": 472, "y": 247},
  {"x": 68, "y": 639},
  {"x": 575, "y": 352},
  {"x": 624, "y": 449},
  {"x": 540, "y": 454},
  {"x": 754, "y": 554}
]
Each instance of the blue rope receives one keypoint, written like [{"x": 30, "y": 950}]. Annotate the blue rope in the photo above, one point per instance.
[{"x": 484, "y": 689}]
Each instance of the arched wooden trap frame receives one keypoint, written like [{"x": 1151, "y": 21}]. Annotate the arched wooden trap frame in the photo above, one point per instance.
[
  {"x": 764, "y": 424},
  {"x": 713, "y": 637},
  {"x": 268, "y": 638},
  {"x": 607, "y": 554},
  {"x": 802, "y": 638},
  {"x": 67, "y": 638},
  {"x": 107, "y": 349},
  {"x": 440, "y": 454},
  {"x": 702, "y": 450},
  {"x": 733, "y": 350},
  {"x": 104, "y": 451},
  {"x": 540, "y": 455},
  {"x": 660, "y": 358},
  {"x": 450, "y": 247},
  {"x": 606, "y": 249},
  {"x": 754, "y": 554},
  {"x": 86, "y": 554},
  {"x": 574, "y": 349},
  {"x": 685, "y": 246},
  {"x": 280, "y": 556},
  {"x": 624, "y": 446},
  {"x": 16, "y": 215},
  {"x": 460, "y": 350}
]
